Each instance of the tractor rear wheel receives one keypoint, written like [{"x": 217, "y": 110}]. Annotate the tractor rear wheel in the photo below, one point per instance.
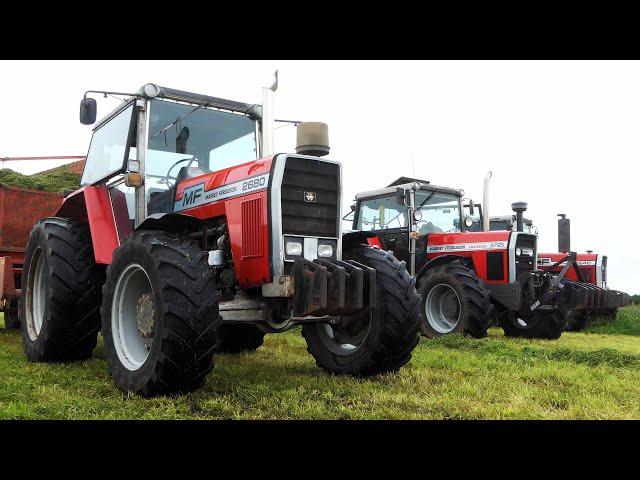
[
  {"x": 577, "y": 320},
  {"x": 454, "y": 300},
  {"x": 60, "y": 305},
  {"x": 159, "y": 314},
  {"x": 239, "y": 338},
  {"x": 539, "y": 324},
  {"x": 374, "y": 340}
]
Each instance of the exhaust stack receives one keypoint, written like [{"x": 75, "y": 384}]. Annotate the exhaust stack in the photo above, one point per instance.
[
  {"x": 486, "y": 219},
  {"x": 564, "y": 233},
  {"x": 312, "y": 138},
  {"x": 519, "y": 208},
  {"x": 267, "y": 118}
]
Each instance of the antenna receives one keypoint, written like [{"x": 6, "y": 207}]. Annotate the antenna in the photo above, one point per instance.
[{"x": 413, "y": 165}]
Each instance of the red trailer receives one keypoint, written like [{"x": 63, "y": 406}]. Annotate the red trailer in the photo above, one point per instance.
[{"x": 19, "y": 209}]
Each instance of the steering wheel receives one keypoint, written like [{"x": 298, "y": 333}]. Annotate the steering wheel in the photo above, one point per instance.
[{"x": 168, "y": 177}]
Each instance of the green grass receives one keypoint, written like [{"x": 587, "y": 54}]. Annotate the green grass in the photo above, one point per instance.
[{"x": 591, "y": 374}]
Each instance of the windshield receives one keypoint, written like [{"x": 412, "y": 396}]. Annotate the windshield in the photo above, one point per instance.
[
  {"x": 440, "y": 213},
  {"x": 186, "y": 141}
]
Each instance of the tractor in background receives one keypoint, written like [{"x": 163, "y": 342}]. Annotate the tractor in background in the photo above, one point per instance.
[
  {"x": 190, "y": 236},
  {"x": 588, "y": 268},
  {"x": 466, "y": 278}
]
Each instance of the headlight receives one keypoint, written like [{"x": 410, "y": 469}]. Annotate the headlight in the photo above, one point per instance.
[
  {"x": 325, "y": 250},
  {"x": 527, "y": 251},
  {"x": 518, "y": 251},
  {"x": 293, "y": 248},
  {"x": 468, "y": 222}
]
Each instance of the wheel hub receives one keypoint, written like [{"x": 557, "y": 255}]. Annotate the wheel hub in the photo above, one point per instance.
[{"x": 145, "y": 313}]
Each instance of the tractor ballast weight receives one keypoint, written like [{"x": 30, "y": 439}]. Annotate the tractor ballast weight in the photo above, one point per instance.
[{"x": 196, "y": 246}]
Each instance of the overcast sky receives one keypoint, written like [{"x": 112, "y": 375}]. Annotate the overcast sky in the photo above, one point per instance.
[{"x": 560, "y": 135}]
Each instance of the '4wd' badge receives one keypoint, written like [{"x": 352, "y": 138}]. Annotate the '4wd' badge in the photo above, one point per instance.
[{"x": 309, "y": 196}]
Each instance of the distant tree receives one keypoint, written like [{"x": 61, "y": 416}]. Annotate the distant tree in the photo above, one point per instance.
[{"x": 635, "y": 299}]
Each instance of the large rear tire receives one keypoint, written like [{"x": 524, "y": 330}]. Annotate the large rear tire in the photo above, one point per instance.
[
  {"x": 540, "y": 324},
  {"x": 239, "y": 338},
  {"x": 61, "y": 292},
  {"x": 379, "y": 339},
  {"x": 159, "y": 314},
  {"x": 454, "y": 300}
]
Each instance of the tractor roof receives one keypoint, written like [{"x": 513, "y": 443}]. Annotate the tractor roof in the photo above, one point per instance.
[
  {"x": 403, "y": 180},
  {"x": 252, "y": 110},
  {"x": 392, "y": 189}
]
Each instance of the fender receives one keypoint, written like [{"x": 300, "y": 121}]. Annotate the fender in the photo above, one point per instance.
[
  {"x": 353, "y": 239},
  {"x": 93, "y": 205},
  {"x": 441, "y": 260}
]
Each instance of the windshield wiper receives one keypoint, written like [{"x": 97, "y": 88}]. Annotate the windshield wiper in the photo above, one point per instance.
[{"x": 177, "y": 120}]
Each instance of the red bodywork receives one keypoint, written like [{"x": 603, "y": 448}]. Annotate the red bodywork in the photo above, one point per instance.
[
  {"x": 19, "y": 210},
  {"x": 474, "y": 245},
  {"x": 246, "y": 216},
  {"x": 586, "y": 263}
]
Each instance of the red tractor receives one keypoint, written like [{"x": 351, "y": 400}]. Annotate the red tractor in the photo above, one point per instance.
[
  {"x": 589, "y": 268},
  {"x": 189, "y": 236},
  {"x": 466, "y": 279}
]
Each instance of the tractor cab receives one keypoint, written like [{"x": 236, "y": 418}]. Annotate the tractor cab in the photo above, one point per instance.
[
  {"x": 159, "y": 137},
  {"x": 411, "y": 206}
]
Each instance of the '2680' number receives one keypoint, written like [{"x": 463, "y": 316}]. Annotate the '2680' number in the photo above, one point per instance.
[{"x": 253, "y": 184}]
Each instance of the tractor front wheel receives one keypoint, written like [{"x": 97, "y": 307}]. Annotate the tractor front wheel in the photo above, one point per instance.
[
  {"x": 539, "y": 324},
  {"x": 374, "y": 340},
  {"x": 577, "y": 320},
  {"x": 159, "y": 314}
]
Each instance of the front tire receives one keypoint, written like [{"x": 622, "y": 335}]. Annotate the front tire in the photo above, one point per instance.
[
  {"x": 379, "y": 339},
  {"x": 547, "y": 325},
  {"x": 577, "y": 320},
  {"x": 454, "y": 300},
  {"x": 61, "y": 292},
  {"x": 159, "y": 314}
]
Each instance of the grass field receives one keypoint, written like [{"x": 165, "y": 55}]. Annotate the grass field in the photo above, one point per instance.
[{"x": 594, "y": 374}]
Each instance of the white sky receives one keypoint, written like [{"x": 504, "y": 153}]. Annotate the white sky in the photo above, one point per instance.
[{"x": 560, "y": 135}]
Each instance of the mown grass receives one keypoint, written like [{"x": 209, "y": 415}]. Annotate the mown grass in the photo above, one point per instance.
[{"x": 592, "y": 374}]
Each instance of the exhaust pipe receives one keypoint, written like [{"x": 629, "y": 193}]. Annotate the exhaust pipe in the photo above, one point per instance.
[
  {"x": 485, "y": 202},
  {"x": 267, "y": 118},
  {"x": 564, "y": 233},
  {"x": 519, "y": 208}
]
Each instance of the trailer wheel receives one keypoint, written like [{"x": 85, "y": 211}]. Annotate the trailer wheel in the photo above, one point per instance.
[
  {"x": 239, "y": 338},
  {"x": 540, "y": 324},
  {"x": 612, "y": 313},
  {"x": 60, "y": 305},
  {"x": 576, "y": 320},
  {"x": 11, "y": 318},
  {"x": 374, "y": 340},
  {"x": 159, "y": 314},
  {"x": 454, "y": 300}
]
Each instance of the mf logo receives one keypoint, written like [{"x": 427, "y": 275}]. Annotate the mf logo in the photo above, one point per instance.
[
  {"x": 191, "y": 195},
  {"x": 310, "y": 197}
]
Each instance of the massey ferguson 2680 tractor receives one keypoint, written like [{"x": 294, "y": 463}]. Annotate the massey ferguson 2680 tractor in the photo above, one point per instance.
[
  {"x": 589, "y": 268},
  {"x": 188, "y": 235},
  {"x": 466, "y": 279}
]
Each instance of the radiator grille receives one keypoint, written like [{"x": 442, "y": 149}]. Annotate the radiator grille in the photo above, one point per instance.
[
  {"x": 310, "y": 179},
  {"x": 252, "y": 240},
  {"x": 526, "y": 263}
]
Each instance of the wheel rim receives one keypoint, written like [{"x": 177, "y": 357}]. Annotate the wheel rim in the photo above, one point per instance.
[
  {"x": 341, "y": 342},
  {"x": 133, "y": 317},
  {"x": 36, "y": 297},
  {"x": 442, "y": 308}
]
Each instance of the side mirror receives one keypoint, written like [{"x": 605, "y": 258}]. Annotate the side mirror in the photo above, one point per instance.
[
  {"x": 353, "y": 207},
  {"x": 401, "y": 196},
  {"x": 88, "y": 110}
]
